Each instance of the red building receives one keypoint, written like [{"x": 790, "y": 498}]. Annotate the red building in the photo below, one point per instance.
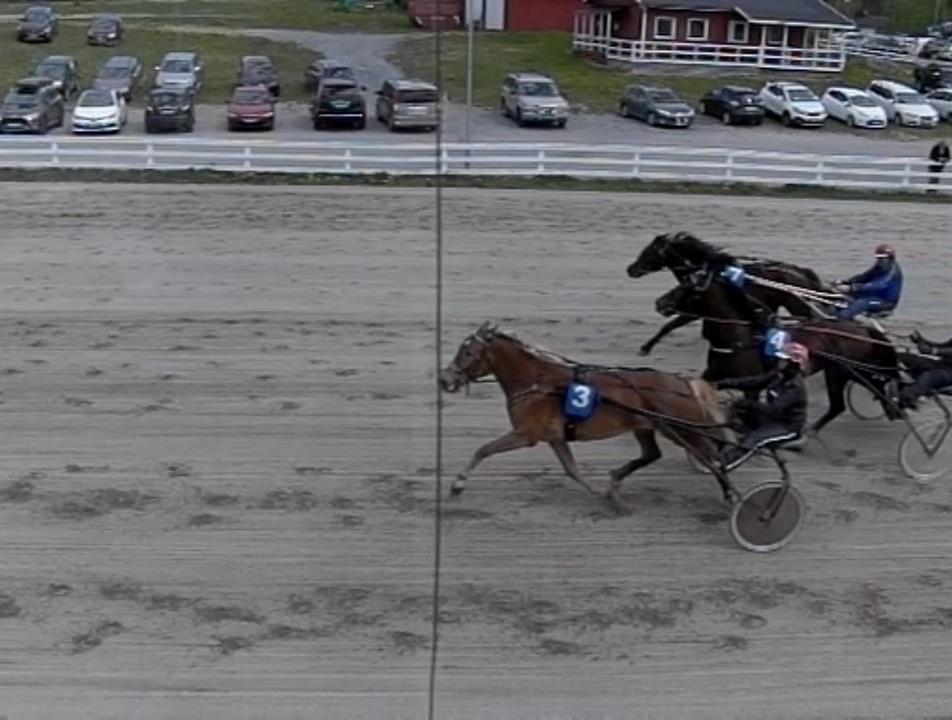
[
  {"x": 795, "y": 34},
  {"x": 542, "y": 14}
]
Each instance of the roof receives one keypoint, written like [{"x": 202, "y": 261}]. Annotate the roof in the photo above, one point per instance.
[
  {"x": 893, "y": 85},
  {"x": 413, "y": 84},
  {"x": 530, "y": 77},
  {"x": 791, "y": 12},
  {"x": 178, "y": 55}
]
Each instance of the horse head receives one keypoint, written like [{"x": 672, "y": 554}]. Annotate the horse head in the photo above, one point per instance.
[
  {"x": 471, "y": 361},
  {"x": 680, "y": 252},
  {"x": 687, "y": 296}
]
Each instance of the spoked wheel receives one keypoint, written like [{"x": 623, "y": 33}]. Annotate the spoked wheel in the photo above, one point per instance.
[
  {"x": 914, "y": 458},
  {"x": 863, "y": 403},
  {"x": 751, "y": 527}
]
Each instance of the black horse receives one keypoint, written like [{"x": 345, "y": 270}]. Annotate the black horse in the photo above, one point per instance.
[
  {"x": 843, "y": 351},
  {"x": 683, "y": 253}
]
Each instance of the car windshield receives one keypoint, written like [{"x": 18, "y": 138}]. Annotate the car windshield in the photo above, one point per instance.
[
  {"x": 51, "y": 70},
  {"x": 861, "y": 101},
  {"x": 21, "y": 101},
  {"x": 663, "y": 96},
  {"x": 112, "y": 73},
  {"x": 251, "y": 96},
  {"x": 166, "y": 99},
  {"x": 339, "y": 89},
  {"x": 35, "y": 16},
  {"x": 177, "y": 66},
  {"x": 538, "y": 89},
  {"x": 908, "y": 98},
  {"x": 25, "y": 90},
  {"x": 800, "y": 95},
  {"x": 92, "y": 98},
  {"x": 416, "y": 96},
  {"x": 339, "y": 71},
  {"x": 104, "y": 24},
  {"x": 257, "y": 63}
]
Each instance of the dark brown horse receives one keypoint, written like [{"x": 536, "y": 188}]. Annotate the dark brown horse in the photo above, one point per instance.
[
  {"x": 736, "y": 331},
  {"x": 636, "y": 400},
  {"x": 683, "y": 253}
]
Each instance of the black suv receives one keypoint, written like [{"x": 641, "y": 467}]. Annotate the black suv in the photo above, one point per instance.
[
  {"x": 33, "y": 105},
  {"x": 170, "y": 109},
  {"x": 338, "y": 101},
  {"x": 62, "y": 70},
  {"x": 38, "y": 24}
]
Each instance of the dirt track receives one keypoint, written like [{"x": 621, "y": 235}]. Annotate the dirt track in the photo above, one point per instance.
[{"x": 216, "y": 486}]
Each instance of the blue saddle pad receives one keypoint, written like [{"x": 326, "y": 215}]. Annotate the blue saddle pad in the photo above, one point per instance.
[{"x": 580, "y": 401}]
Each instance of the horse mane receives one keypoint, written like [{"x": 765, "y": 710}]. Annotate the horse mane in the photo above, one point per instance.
[
  {"x": 812, "y": 279},
  {"x": 537, "y": 351},
  {"x": 695, "y": 248}
]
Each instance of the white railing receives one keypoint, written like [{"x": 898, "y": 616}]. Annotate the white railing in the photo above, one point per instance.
[
  {"x": 682, "y": 164},
  {"x": 830, "y": 58}
]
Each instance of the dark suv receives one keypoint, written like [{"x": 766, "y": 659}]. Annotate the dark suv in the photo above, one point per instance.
[
  {"x": 38, "y": 24},
  {"x": 338, "y": 101},
  {"x": 170, "y": 109},
  {"x": 62, "y": 70},
  {"x": 33, "y": 105}
]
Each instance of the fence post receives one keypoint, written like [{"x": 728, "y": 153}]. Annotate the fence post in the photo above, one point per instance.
[
  {"x": 247, "y": 164},
  {"x": 444, "y": 161},
  {"x": 907, "y": 171},
  {"x": 819, "y": 171},
  {"x": 636, "y": 165},
  {"x": 348, "y": 165},
  {"x": 729, "y": 170},
  {"x": 540, "y": 162},
  {"x": 149, "y": 157},
  {"x": 54, "y": 151}
]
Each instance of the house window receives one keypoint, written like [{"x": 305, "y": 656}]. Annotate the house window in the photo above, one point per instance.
[
  {"x": 738, "y": 31},
  {"x": 774, "y": 34},
  {"x": 664, "y": 28},
  {"x": 698, "y": 28}
]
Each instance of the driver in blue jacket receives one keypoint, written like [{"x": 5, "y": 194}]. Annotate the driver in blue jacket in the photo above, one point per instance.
[{"x": 876, "y": 290}]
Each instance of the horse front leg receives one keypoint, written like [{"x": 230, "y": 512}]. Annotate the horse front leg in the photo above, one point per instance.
[
  {"x": 564, "y": 453},
  {"x": 836, "y": 383},
  {"x": 678, "y": 321},
  {"x": 510, "y": 441}
]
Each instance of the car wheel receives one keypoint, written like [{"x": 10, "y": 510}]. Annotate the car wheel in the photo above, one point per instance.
[
  {"x": 503, "y": 109},
  {"x": 231, "y": 127},
  {"x": 149, "y": 129},
  {"x": 850, "y": 121},
  {"x": 726, "y": 118},
  {"x": 391, "y": 126},
  {"x": 318, "y": 125},
  {"x": 560, "y": 123},
  {"x": 623, "y": 110},
  {"x": 652, "y": 120},
  {"x": 190, "y": 126},
  {"x": 361, "y": 124},
  {"x": 44, "y": 126},
  {"x": 519, "y": 121},
  {"x": 787, "y": 120},
  {"x": 758, "y": 122}
]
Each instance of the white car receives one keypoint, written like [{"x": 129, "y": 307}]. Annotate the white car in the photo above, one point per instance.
[
  {"x": 941, "y": 100},
  {"x": 903, "y": 104},
  {"x": 793, "y": 103},
  {"x": 99, "y": 111},
  {"x": 854, "y": 107}
]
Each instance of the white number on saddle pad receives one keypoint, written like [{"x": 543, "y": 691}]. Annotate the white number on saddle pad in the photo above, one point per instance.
[
  {"x": 580, "y": 401},
  {"x": 775, "y": 341},
  {"x": 735, "y": 275}
]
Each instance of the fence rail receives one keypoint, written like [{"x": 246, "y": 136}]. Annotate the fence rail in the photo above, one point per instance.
[{"x": 684, "y": 164}]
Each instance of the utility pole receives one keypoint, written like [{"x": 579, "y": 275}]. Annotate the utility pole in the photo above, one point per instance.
[{"x": 470, "y": 7}]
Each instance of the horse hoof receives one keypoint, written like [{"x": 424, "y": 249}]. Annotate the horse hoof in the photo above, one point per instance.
[
  {"x": 644, "y": 350},
  {"x": 456, "y": 490},
  {"x": 617, "y": 504}
]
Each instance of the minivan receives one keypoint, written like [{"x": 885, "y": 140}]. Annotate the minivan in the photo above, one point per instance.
[{"x": 408, "y": 104}]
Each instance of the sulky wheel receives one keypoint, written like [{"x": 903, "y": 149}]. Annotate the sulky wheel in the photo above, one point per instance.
[
  {"x": 862, "y": 402},
  {"x": 914, "y": 457},
  {"x": 752, "y": 531}
]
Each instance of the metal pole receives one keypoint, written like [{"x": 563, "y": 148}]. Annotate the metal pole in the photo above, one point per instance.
[{"x": 469, "y": 63}]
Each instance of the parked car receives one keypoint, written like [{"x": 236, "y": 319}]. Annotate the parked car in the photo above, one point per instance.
[
  {"x": 795, "y": 104},
  {"x": 180, "y": 70},
  {"x": 258, "y": 70},
  {"x": 931, "y": 77},
  {"x": 407, "y": 104},
  {"x": 105, "y": 30},
  {"x": 656, "y": 106},
  {"x": 121, "y": 73},
  {"x": 339, "y": 101},
  {"x": 38, "y": 24},
  {"x": 733, "y": 104},
  {"x": 854, "y": 107},
  {"x": 169, "y": 109},
  {"x": 251, "y": 107},
  {"x": 326, "y": 68},
  {"x": 902, "y": 104},
  {"x": 32, "y": 105},
  {"x": 531, "y": 98},
  {"x": 62, "y": 70},
  {"x": 99, "y": 111},
  {"x": 941, "y": 100}
]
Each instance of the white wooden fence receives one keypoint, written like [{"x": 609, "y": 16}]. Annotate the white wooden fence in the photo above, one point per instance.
[{"x": 684, "y": 164}]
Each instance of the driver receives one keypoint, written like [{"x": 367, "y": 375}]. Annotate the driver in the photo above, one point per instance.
[
  {"x": 876, "y": 290},
  {"x": 936, "y": 377},
  {"x": 781, "y": 418}
]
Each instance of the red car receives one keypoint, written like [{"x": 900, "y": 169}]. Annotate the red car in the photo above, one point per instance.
[{"x": 251, "y": 107}]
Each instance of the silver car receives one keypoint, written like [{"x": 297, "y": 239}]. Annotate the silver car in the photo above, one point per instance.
[
  {"x": 180, "y": 70},
  {"x": 533, "y": 98}
]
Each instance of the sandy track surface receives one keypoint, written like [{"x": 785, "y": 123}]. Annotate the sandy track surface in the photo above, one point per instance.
[{"x": 216, "y": 486}]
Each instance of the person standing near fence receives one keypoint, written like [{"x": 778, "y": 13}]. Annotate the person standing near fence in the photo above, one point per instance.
[{"x": 938, "y": 157}]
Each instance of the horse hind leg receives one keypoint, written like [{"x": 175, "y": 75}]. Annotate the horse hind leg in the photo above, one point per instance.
[
  {"x": 650, "y": 453},
  {"x": 836, "y": 394},
  {"x": 510, "y": 441}
]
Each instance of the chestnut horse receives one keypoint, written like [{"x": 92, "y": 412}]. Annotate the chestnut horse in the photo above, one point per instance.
[{"x": 643, "y": 401}]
